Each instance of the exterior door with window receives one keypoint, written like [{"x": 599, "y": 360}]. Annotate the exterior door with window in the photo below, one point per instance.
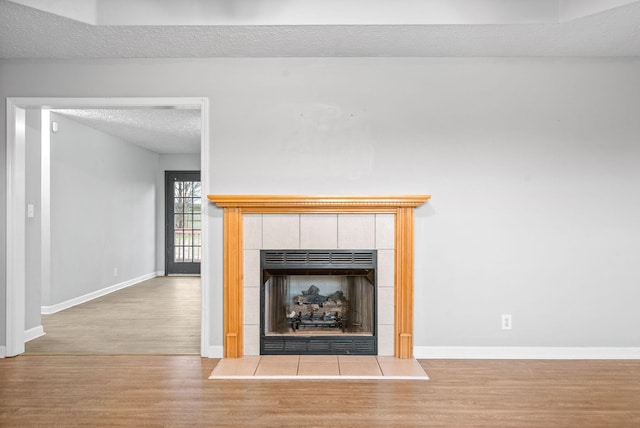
[{"x": 183, "y": 222}]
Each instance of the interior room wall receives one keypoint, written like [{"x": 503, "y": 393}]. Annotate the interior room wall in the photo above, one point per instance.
[
  {"x": 103, "y": 196},
  {"x": 532, "y": 164},
  {"x": 168, "y": 162}
]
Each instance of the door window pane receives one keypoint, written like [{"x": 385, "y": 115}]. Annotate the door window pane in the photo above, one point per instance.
[{"x": 178, "y": 221}]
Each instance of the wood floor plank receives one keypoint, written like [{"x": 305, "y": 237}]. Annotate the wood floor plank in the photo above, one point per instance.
[
  {"x": 174, "y": 391},
  {"x": 158, "y": 316}
]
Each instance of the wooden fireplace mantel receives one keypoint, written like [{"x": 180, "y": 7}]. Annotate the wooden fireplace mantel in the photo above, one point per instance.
[{"x": 236, "y": 205}]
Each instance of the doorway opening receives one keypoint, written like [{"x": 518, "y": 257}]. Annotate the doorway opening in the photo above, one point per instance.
[{"x": 17, "y": 296}]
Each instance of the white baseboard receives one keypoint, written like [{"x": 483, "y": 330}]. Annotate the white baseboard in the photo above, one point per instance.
[
  {"x": 33, "y": 333},
  {"x": 3, "y": 352},
  {"x": 47, "y": 310},
  {"x": 213, "y": 352},
  {"x": 526, "y": 353},
  {"x": 160, "y": 273}
]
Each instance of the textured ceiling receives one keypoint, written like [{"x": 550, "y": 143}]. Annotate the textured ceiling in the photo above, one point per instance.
[
  {"x": 30, "y": 33},
  {"x": 158, "y": 130}
]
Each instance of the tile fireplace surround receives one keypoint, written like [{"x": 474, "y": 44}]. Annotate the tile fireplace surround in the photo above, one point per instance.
[{"x": 255, "y": 222}]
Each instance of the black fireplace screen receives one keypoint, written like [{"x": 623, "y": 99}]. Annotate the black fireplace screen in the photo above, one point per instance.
[{"x": 318, "y": 302}]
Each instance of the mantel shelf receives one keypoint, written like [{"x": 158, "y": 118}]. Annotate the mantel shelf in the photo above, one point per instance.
[{"x": 307, "y": 203}]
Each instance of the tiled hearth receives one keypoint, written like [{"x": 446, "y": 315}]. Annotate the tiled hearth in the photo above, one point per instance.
[{"x": 318, "y": 367}]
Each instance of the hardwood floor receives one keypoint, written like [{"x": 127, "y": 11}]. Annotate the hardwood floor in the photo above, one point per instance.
[
  {"x": 158, "y": 316},
  {"x": 174, "y": 391}
]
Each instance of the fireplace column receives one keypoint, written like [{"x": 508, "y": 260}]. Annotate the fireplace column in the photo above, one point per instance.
[
  {"x": 403, "y": 290},
  {"x": 233, "y": 300}
]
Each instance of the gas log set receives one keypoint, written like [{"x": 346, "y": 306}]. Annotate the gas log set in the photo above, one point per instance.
[{"x": 311, "y": 309}]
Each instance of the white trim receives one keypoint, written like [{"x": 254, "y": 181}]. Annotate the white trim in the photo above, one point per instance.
[
  {"x": 3, "y": 352},
  {"x": 207, "y": 307},
  {"x": 15, "y": 283},
  {"x": 34, "y": 333},
  {"x": 48, "y": 310},
  {"x": 160, "y": 273},
  {"x": 133, "y": 102},
  {"x": 526, "y": 353},
  {"x": 214, "y": 352},
  {"x": 15, "y": 230},
  {"x": 45, "y": 206}
]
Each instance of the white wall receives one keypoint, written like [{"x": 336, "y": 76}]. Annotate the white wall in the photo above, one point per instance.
[
  {"x": 103, "y": 196},
  {"x": 532, "y": 164},
  {"x": 168, "y": 162}
]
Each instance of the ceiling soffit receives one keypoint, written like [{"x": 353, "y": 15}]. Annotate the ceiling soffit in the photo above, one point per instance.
[
  {"x": 325, "y": 12},
  {"x": 78, "y": 29}
]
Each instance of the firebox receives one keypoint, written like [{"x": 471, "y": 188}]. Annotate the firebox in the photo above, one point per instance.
[{"x": 318, "y": 302}]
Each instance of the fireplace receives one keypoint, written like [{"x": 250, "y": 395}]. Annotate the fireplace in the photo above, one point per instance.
[
  {"x": 395, "y": 334},
  {"x": 320, "y": 302}
]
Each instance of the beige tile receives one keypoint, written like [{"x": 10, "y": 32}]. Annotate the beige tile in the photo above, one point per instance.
[
  {"x": 360, "y": 369},
  {"x": 319, "y": 231},
  {"x": 281, "y": 368},
  {"x": 280, "y": 358},
  {"x": 251, "y": 303},
  {"x": 385, "y": 339},
  {"x": 281, "y": 231},
  {"x": 356, "y": 231},
  {"x": 385, "y": 231},
  {"x": 252, "y": 231},
  {"x": 386, "y": 268},
  {"x": 251, "y": 268},
  {"x": 392, "y": 366},
  {"x": 318, "y": 369},
  {"x": 251, "y": 338},
  {"x": 385, "y": 305},
  {"x": 318, "y": 358},
  {"x": 245, "y": 366},
  {"x": 357, "y": 359}
]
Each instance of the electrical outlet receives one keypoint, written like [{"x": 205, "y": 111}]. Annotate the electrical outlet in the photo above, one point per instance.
[
  {"x": 506, "y": 322},
  {"x": 115, "y": 271}
]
